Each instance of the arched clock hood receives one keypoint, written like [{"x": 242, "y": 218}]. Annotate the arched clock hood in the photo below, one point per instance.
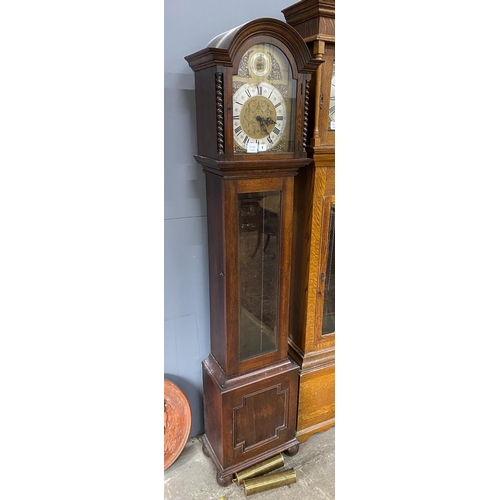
[{"x": 222, "y": 49}]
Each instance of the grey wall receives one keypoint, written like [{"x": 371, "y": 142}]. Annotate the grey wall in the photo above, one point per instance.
[{"x": 189, "y": 26}]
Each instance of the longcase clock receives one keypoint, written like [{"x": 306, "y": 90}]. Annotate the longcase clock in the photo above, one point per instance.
[
  {"x": 312, "y": 313},
  {"x": 251, "y": 111}
]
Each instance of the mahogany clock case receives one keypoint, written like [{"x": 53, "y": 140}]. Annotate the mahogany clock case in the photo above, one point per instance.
[{"x": 249, "y": 382}]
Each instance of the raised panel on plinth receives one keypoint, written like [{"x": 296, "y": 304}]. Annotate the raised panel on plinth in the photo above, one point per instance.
[{"x": 260, "y": 418}]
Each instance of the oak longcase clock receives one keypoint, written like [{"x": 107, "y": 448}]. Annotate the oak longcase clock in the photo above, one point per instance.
[
  {"x": 312, "y": 311},
  {"x": 251, "y": 109}
]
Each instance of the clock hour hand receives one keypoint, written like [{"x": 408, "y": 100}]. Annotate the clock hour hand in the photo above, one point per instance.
[{"x": 264, "y": 123}]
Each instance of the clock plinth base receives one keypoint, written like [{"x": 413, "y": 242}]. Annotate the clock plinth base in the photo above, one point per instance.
[
  {"x": 316, "y": 405},
  {"x": 248, "y": 418},
  {"x": 304, "y": 434}
]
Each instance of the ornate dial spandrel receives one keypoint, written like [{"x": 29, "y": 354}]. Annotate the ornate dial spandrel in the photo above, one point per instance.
[
  {"x": 243, "y": 67},
  {"x": 276, "y": 70}
]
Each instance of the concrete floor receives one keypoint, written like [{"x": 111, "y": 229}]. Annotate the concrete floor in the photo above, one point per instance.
[{"x": 192, "y": 475}]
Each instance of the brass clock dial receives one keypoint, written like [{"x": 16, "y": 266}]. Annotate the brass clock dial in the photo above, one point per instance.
[
  {"x": 264, "y": 95},
  {"x": 259, "y": 116},
  {"x": 332, "y": 102}
]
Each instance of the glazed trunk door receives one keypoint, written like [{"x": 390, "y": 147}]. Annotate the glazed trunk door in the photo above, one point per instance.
[
  {"x": 260, "y": 258},
  {"x": 325, "y": 309},
  {"x": 328, "y": 278}
]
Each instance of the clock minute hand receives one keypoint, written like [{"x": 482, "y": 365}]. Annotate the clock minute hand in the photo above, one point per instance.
[{"x": 264, "y": 123}]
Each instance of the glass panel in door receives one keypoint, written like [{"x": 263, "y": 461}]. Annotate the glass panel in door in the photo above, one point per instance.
[
  {"x": 258, "y": 261},
  {"x": 328, "y": 276}
]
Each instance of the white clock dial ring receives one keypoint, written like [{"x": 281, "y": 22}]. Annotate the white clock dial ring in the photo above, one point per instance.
[
  {"x": 332, "y": 102},
  {"x": 259, "y": 115}
]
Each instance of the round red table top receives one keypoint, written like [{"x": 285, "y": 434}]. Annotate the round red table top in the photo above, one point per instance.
[{"x": 177, "y": 422}]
